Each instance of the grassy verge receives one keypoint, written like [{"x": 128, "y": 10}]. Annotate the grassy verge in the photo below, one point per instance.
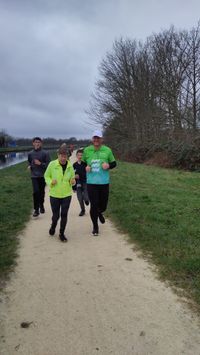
[
  {"x": 160, "y": 209},
  {"x": 15, "y": 207}
]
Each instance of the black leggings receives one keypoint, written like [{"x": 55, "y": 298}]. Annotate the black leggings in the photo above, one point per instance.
[
  {"x": 38, "y": 192},
  {"x": 82, "y": 195},
  {"x": 98, "y": 196},
  {"x": 60, "y": 205}
]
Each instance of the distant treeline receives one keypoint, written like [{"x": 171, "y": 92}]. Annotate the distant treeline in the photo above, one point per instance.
[
  {"x": 148, "y": 97},
  {"x": 8, "y": 141},
  {"x": 54, "y": 142}
]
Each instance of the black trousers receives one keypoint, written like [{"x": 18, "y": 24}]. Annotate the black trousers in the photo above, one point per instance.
[
  {"x": 98, "y": 196},
  {"x": 38, "y": 192},
  {"x": 60, "y": 207},
  {"x": 82, "y": 195}
]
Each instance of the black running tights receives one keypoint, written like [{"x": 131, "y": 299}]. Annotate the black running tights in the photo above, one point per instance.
[{"x": 98, "y": 196}]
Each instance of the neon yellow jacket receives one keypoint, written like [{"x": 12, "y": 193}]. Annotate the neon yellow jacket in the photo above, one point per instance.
[{"x": 63, "y": 188}]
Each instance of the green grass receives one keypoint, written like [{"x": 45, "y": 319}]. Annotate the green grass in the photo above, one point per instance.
[
  {"x": 15, "y": 208},
  {"x": 160, "y": 210}
]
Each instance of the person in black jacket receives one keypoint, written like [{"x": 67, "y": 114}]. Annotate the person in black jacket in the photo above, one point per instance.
[
  {"x": 38, "y": 160},
  {"x": 81, "y": 186}
]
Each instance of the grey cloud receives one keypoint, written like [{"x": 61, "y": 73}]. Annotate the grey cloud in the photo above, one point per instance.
[{"x": 50, "y": 51}]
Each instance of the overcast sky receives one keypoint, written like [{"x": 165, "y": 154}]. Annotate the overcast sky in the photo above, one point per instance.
[{"x": 50, "y": 51}]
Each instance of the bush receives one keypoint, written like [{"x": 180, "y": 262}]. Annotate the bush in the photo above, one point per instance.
[{"x": 181, "y": 155}]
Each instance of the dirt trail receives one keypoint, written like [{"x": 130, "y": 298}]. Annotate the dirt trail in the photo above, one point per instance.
[{"x": 86, "y": 297}]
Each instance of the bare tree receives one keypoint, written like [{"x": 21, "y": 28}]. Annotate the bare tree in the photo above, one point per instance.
[
  {"x": 170, "y": 58},
  {"x": 149, "y": 93},
  {"x": 192, "y": 80}
]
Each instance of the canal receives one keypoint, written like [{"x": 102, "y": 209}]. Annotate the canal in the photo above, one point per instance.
[{"x": 12, "y": 158}]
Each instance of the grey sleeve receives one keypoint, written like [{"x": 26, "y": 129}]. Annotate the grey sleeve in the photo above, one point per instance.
[{"x": 47, "y": 160}]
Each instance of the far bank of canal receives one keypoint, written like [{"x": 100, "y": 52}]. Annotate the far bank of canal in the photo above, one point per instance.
[
  {"x": 12, "y": 158},
  {"x": 16, "y": 157}
]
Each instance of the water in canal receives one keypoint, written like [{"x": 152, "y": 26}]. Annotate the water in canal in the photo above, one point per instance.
[{"x": 13, "y": 158}]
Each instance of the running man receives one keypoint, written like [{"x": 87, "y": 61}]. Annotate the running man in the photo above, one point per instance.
[
  {"x": 81, "y": 186},
  {"x": 99, "y": 159},
  {"x": 38, "y": 160}
]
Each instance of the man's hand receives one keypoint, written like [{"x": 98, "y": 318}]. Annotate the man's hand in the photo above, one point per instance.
[
  {"x": 37, "y": 162},
  {"x": 88, "y": 168},
  {"x": 105, "y": 166},
  {"x": 54, "y": 182},
  {"x": 73, "y": 182}
]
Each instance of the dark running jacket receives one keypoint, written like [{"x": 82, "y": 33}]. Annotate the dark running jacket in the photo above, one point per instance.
[{"x": 43, "y": 157}]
